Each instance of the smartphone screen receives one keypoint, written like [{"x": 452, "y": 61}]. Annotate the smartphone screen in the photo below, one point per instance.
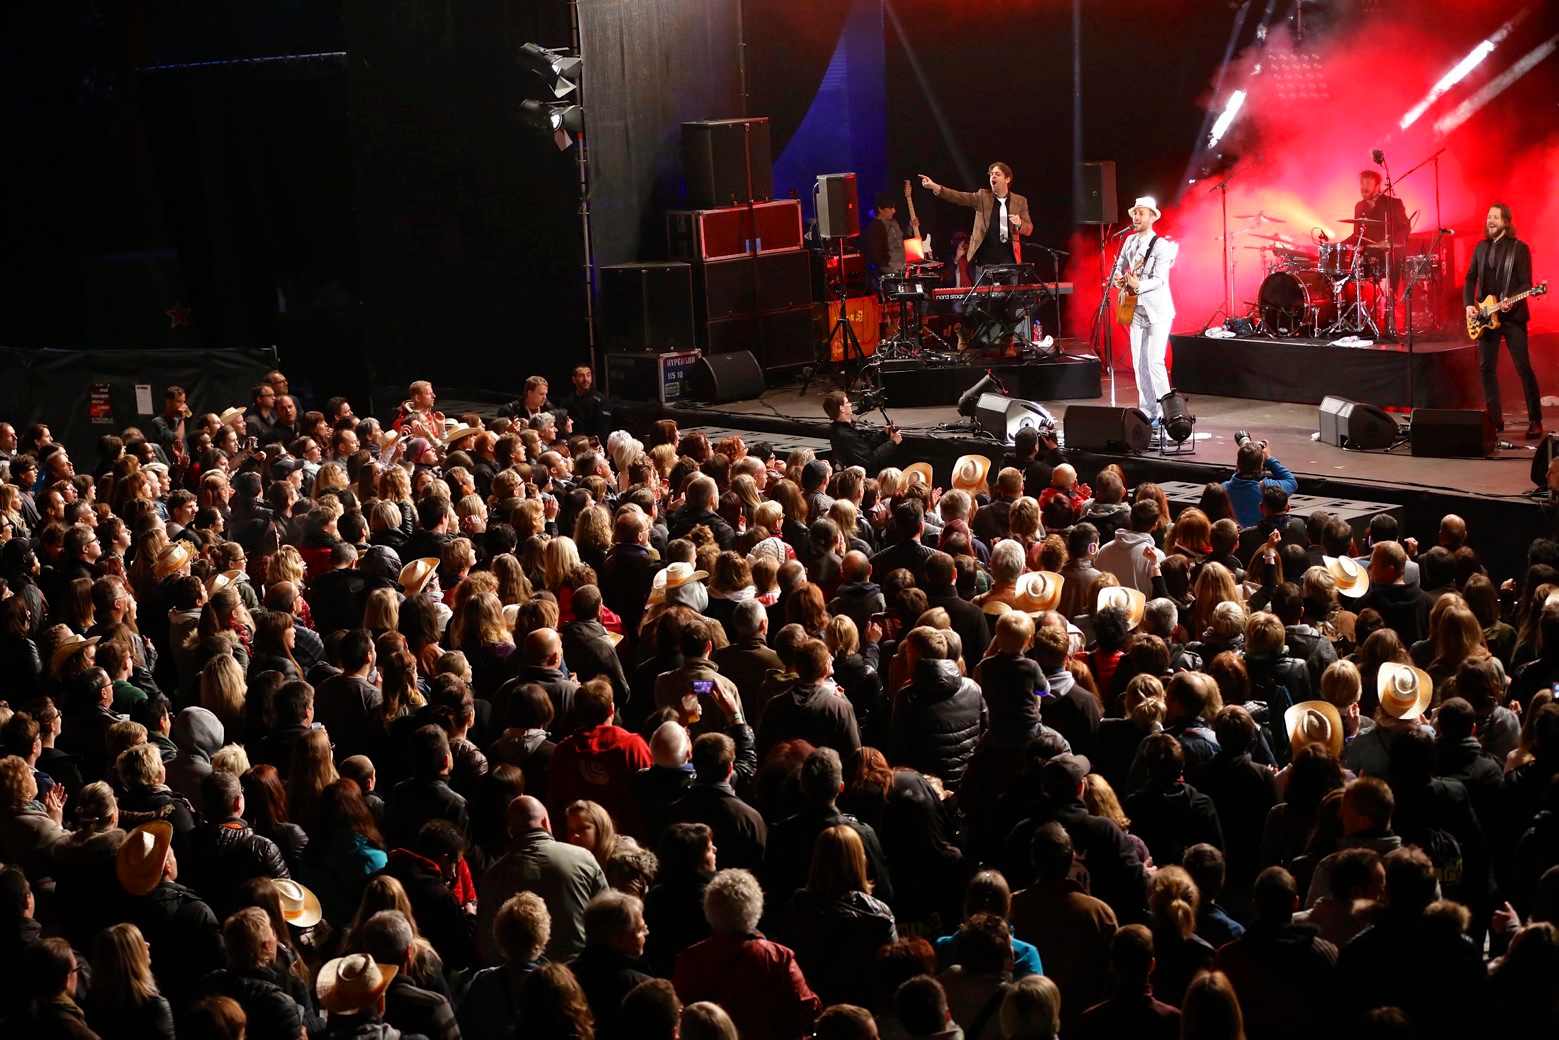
[{"x": 702, "y": 687}]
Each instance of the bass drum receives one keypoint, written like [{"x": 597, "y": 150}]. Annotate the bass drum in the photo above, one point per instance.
[{"x": 1294, "y": 302}]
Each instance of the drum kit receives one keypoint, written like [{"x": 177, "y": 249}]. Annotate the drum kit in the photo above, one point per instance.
[{"x": 1323, "y": 288}]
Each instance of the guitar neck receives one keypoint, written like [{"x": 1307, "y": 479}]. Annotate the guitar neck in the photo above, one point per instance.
[{"x": 909, "y": 202}]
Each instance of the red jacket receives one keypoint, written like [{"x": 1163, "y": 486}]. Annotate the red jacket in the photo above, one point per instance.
[
  {"x": 757, "y": 982},
  {"x": 599, "y": 765}
]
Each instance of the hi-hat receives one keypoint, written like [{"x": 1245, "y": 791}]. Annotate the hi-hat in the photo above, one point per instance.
[{"x": 1360, "y": 220}]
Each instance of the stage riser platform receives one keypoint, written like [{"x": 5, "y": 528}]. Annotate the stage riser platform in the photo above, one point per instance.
[
  {"x": 910, "y": 384},
  {"x": 1302, "y": 371}
]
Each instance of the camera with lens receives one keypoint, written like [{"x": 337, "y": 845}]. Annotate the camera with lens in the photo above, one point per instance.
[{"x": 1241, "y": 438}]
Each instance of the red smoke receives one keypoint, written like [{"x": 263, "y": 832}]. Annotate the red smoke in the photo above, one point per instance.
[{"x": 1310, "y": 149}]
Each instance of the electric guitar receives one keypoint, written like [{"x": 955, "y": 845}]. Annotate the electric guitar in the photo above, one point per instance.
[
  {"x": 914, "y": 246},
  {"x": 1488, "y": 311}
]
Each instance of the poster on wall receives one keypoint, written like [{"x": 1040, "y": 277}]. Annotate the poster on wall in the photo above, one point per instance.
[{"x": 100, "y": 406}]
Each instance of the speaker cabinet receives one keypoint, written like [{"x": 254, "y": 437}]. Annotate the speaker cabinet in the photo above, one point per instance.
[
  {"x": 647, "y": 306},
  {"x": 1002, "y": 417},
  {"x": 1099, "y": 204},
  {"x": 1452, "y": 433},
  {"x": 1546, "y": 449},
  {"x": 718, "y": 378},
  {"x": 787, "y": 339},
  {"x": 838, "y": 206},
  {"x": 1352, "y": 424},
  {"x": 1103, "y": 428},
  {"x": 728, "y": 162},
  {"x": 713, "y": 234},
  {"x": 745, "y": 285}
]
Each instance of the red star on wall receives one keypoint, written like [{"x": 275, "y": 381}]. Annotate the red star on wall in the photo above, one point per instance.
[{"x": 179, "y": 315}]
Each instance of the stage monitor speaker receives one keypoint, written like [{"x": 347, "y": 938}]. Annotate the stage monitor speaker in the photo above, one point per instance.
[
  {"x": 1099, "y": 204},
  {"x": 727, "y": 161},
  {"x": 1002, "y": 417},
  {"x": 1452, "y": 433},
  {"x": 1547, "y": 448},
  {"x": 736, "y": 376},
  {"x": 838, "y": 206},
  {"x": 647, "y": 306},
  {"x": 1103, "y": 428},
  {"x": 1353, "y": 424}
]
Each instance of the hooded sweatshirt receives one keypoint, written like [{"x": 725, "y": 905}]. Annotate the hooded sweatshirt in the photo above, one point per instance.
[
  {"x": 1122, "y": 557},
  {"x": 199, "y": 735},
  {"x": 599, "y": 765}
]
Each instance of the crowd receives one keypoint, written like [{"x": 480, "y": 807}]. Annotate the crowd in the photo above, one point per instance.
[{"x": 318, "y": 725}]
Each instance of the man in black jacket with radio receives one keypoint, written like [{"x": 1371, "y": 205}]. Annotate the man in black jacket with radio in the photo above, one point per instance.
[
  {"x": 849, "y": 445},
  {"x": 1502, "y": 267}
]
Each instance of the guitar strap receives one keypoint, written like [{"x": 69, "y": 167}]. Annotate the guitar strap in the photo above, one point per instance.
[
  {"x": 1510, "y": 265},
  {"x": 1142, "y": 265}
]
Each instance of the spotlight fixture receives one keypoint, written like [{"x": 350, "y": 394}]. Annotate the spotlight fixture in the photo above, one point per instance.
[
  {"x": 562, "y": 121},
  {"x": 1176, "y": 420},
  {"x": 967, "y": 402},
  {"x": 556, "y": 66}
]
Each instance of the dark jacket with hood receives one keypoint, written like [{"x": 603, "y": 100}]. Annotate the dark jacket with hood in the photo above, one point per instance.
[
  {"x": 938, "y": 718},
  {"x": 817, "y": 713},
  {"x": 833, "y": 936},
  {"x": 1283, "y": 975},
  {"x": 1170, "y": 818},
  {"x": 858, "y": 600}
]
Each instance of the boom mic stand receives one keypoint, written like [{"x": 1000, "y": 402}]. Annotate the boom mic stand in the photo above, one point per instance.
[{"x": 1222, "y": 188}]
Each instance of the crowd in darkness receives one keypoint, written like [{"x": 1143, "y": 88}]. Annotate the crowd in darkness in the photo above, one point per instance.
[{"x": 318, "y": 725}]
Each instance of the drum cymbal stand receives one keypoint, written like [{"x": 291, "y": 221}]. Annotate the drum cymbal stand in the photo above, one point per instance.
[{"x": 1357, "y": 316}]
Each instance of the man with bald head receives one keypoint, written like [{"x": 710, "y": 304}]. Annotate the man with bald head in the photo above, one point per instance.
[
  {"x": 565, "y": 876},
  {"x": 1453, "y": 531},
  {"x": 540, "y": 661},
  {"x": 859, "y": 597}
]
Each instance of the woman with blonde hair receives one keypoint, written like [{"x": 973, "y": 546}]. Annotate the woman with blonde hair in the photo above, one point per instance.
[
  {"x": 593, "y": 535},
  {"x": 890, "y": 481},
  {"x": 1211, "y": 1010},
  {"x": 1023, "y": 522},
  {"x": 788, "y": 494},
  {"x": 834, "y": 923},
  {"x": 147, "y": 796},
  {"x": 11, "y": 511},
  {"x": 1178, "y": 952},
  {"x": 223, "y": 689},
  {"x": 858, "y": 680},
  {"x": 331, "y": 478},
  {"x": 486, "y": 641},
  {"x": 382, "y": 613},
  {"x": 589, "y": 826},
  {"x": 1214, "y": 584},
  {"x": 1101, "y": 801},
  {"x": 745, "y": 494},
  {"x": 312, "y": 770},
  {"x": 124, "y": 1000},
  {"x": 1031, "y": 1010},
  {"x": 560, "y": 562}
]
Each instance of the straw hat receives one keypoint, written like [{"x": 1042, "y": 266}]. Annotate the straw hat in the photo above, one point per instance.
[
  {"x": 458, "y": 432},
  {"x": 511, "y": 614},
  {"x": 1038, "y": 591},
  {"x": 970, "y": 472},
  {"x": 1404, "y": 691},
  {"x": 173, "y": 558},
  {"x": 69, "y": 646},
  {"x": 348, "y": 985},
  {"x": 1314, "y": 722},
  {"x": 299, "y": 906},
  {"x": 229, "y": 414},
  {"x": 1352, "y": 579},
  {"x": 140, "y": 860},
  {"x": 1149, "y": 203},
  {"x": 415, "y": 575},
  {"x": 918, "y": 473},
  {"x": 675, "y": 576},
  {"x": 996, "y": 607},
  {"x": 221, "y": 580},
  {"x": 1132, "y": 601}
]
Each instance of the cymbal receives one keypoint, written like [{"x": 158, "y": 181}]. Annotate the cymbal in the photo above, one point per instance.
[
  {"x": 1275, "y": 238},
  {"x": 1360, "y": 220},
  {"x": 1260, "y": 217}
]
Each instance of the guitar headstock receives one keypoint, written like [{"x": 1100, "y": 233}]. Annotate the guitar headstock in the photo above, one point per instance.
[
  {"x": 1541, "y": 288},
  {"x": 906, "y": 187}
]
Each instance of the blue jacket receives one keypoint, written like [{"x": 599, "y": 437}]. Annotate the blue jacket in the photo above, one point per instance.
[{"x": 1245, "y": 493}]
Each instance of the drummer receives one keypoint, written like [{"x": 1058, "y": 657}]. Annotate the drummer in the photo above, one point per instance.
[{"x": 1376, "y": 213}]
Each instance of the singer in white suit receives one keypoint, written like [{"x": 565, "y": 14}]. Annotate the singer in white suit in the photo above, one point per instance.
[{"x": 1143, "y": 269}]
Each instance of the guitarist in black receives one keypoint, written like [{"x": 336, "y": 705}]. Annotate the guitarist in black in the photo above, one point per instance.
[{"x": 1502, "y": 266}]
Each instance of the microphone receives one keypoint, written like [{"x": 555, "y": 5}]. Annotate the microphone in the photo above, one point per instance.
[
  {"x": 1379, "y": 157},
  {"x": 1123, "y": 231},
  {"x": 1445, "y": 231}
]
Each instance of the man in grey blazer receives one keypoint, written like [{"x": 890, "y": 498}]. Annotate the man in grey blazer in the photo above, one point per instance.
[
  {"x": 1142, "y": 269},
  {"x": 1001, "y": 218}
]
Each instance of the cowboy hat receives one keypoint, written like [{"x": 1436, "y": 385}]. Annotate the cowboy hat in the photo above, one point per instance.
[
  {"x": 1131, "y": 600},
  {"x": 299, "y": 907},
  {"x": 229, "y": 414},
  {"x": 1314, "y": 722},
  {"x": 995, "y": 607},
  {"x": 140, "y": 860},
  {"x": 221, "y": 580},
  {"x": 415, "y": 575},
  {"x": 354, "y": 983},
  {"x": 1352, "y": 579},
  {"x": 1038, "y": 591},
  {"x": 511, "y": 614},
  {"x": 970, "y": 472},
  {"x": 676, "y": 575},
  {"x": 459, "y": 432},
  {"x": 174, "y": 556},
  {"x": 1149, "y": 203},
  {"x": 1404, "y": 691},
  {"x": 918, "y": 473},
  {"x": 69, "y": 646}
]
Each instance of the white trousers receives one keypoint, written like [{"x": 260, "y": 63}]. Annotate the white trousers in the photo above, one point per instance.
[{"x": 1149, "y": 344}]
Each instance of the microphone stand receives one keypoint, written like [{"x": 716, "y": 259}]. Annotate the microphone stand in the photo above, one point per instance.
[
  {"x": 1055, "y": 263},
  {"x": 1222, "y": 187},
  {"x": 1104, "y": 328},
  {"x": 1439, "y": 222}
]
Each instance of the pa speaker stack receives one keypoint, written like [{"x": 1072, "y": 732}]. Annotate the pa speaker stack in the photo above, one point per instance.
[
  {"x": 1352, "y": 424},
  {"x": 1452, "y": 433}
]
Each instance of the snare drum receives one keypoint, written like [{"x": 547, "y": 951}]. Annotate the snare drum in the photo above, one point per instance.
[{"x": 1293, "y": 302}]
